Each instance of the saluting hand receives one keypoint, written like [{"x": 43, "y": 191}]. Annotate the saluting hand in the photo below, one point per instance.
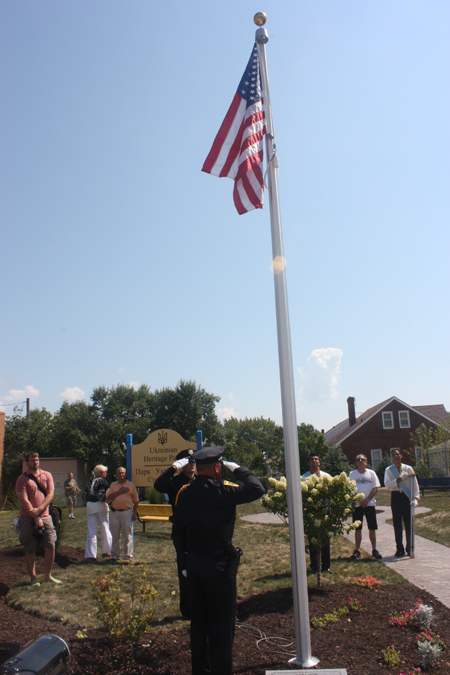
[{"x": 231, "y": 465}]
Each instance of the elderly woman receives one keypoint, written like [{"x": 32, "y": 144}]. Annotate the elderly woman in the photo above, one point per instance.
[{"x": 97, "y": 512}]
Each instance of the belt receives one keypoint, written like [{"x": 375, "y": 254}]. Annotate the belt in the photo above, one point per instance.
[{"x": 124, "y": 509}]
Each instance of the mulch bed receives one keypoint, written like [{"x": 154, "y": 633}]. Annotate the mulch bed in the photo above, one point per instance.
[{"x": 265, "y": 628}]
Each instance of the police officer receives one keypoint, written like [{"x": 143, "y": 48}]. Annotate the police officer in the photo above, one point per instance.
[
  {"x": 171, "y": 484},
  {"x": 207, "y": 511}
]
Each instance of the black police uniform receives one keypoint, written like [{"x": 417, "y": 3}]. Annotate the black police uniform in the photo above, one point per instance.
[
  {"x": 207, "y": 512},
  {"x": 171, "y": 484}
]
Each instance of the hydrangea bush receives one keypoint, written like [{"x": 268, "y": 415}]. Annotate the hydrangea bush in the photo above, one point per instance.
[{"x": 327, "y": 503}]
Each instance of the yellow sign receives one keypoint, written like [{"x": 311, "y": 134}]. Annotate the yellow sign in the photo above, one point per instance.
[{"x": 153, "y": 456}]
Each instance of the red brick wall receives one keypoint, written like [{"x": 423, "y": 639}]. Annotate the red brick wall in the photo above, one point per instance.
[{"x": 372, "y": 436}]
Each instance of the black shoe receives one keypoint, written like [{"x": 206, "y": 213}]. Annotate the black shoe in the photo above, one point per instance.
[
  {"x": 355, "y": 555},
  {"x": 376, "y": 554},
  {"x": 399, "y": 554}
]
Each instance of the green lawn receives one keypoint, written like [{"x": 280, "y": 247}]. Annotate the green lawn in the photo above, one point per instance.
[
  {"x": 435, "y": 524},
  {"x": 265, "y": 565}
]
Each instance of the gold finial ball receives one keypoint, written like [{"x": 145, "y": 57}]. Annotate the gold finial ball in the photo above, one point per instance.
[{"x": 260, "y": 18}]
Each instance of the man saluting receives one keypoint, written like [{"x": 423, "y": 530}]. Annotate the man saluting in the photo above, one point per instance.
[{"x": 206, "y": 511}]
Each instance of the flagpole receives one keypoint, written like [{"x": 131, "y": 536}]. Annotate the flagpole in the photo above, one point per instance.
[{"x": 294, "y": 495}]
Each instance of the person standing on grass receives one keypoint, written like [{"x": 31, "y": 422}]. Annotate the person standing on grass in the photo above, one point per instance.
[
  {"x": 171, "y": 482},
  {"x": 35, "y": 490},
  {"x": 97, "y": 512},
  {"x": 401, "y": 481},
  {"x": 314, "y": 469},
  {"x": 123, "y": 499},
  {"x": 71, "y": 489},
  {"x": 206, "y": 512},
  {"x": 367, "y": 483}
]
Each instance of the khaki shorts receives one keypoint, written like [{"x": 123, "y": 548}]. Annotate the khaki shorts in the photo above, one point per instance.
[{"x": 29, "y": 541}]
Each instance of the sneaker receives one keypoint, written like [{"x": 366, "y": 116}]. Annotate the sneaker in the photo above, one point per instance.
[
  {"x": 399, "y": 554},
  {"x": 35, "y": 582},
  {"x": 376, "y": 554},
  {"x": 55, "y": 581},
  {"x": 355, "y": 555}
]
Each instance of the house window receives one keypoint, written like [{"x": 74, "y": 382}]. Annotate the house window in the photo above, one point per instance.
[
  {"x": 388, "y": 420},
  {"x": 419, "y": 454},
  {"x": 403, "y": 419},
  {"x": 375, "y": 458}
]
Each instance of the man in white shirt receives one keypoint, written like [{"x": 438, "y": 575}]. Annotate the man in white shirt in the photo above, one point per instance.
[
  {"x": 401, "y": 481},
  {"x": 314, "y": 468},
  {"x": 367, "y": 483}
]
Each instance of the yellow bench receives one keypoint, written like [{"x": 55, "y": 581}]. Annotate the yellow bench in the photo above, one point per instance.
[{"x": 147, "y": 513}]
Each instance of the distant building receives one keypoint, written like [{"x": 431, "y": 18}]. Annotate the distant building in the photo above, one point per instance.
[{"x": 385, "y": 426}]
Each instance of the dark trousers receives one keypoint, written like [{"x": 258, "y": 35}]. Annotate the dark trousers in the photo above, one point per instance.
[
  {"x": 325, "y": 555},
  {"x": 401, "y": 511},
  {"x": 179, "y": 543},
  {"x": 212, "y": 608}
]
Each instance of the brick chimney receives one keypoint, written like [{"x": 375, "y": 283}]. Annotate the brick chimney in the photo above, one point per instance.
[{"x": 351, "y": 411}]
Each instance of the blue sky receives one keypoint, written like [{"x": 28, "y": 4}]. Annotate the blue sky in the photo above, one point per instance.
[{"x": 122, "y": 262}]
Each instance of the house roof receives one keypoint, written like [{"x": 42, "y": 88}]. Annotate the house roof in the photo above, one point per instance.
[{"x": 433, "y": 413}]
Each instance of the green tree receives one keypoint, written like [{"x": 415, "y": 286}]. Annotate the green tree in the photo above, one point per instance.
[
  {"x": 424, "y": 438},
  {"x": 22, "y": 436},
  {"x": 256, "y": 443},
  {"x": 336, "y": 462},
  {"x": 76, "y": 432},
  {"x": 186, "y": 409}
]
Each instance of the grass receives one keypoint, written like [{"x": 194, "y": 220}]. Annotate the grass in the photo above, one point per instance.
[
  {"x": 265, "y": 565},
  {"x": 434, "y": 525}
]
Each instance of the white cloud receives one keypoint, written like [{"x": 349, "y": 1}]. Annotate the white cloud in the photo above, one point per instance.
[
  {"x": 72, "y": 394},
  {"x": 227, "y": 413},
  {"x": 321, "y": 375},
  {"x": 135, "y": 385},
  {"x": 21, "y": 394}
]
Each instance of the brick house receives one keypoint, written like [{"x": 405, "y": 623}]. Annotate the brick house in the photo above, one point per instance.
[{"x": 380, "y": 429}]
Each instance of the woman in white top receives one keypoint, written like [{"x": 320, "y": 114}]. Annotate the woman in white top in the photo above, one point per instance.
[{"x": 97, "y": 512}]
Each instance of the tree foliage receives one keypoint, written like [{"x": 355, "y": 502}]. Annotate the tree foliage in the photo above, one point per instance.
[
  {"x": 256, "y": 443},
  {"x": 425, "y": 438},
  {"x": 336, "y": 462},
  {"x": 96, "y": 431}
]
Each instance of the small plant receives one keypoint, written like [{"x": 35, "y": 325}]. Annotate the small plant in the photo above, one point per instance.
[
  {"x": 391, "y": 656},
  {"x": 369, "y": 582},
  {"x": 428, "y": 637},
  {"x": 126, "y": 616},
  {"x": 429, "y": 652},
  {"x": 424, "y": 616},
  {"x": 406, "y": 618},
  {"x": 329, "y": 618},
  {"x": 354, "y": 604}
]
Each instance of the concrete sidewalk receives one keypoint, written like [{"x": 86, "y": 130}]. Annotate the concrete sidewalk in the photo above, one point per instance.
[{"x": 429, "y": 569}]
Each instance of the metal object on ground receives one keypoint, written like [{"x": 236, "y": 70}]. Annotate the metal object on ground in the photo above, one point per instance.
[{"x": 48, "y": 655}]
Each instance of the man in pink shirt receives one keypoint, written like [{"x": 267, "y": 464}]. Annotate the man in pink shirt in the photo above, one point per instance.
[
  {"x": 123, "y": 498},
  {"x": 36, "y": 525}
]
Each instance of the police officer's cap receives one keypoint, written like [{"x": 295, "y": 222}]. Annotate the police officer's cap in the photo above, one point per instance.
[
  {"x": 186, "y": 453},
  {"x": 209, "y": 455}
]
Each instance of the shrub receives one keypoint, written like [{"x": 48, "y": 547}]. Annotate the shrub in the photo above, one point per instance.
[{"x": 125, "y": 616}]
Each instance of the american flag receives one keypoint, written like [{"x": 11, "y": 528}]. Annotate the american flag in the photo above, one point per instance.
[{"x": 237, "y": 151}]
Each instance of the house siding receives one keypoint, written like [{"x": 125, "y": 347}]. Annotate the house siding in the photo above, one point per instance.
[{"x": 371, "y": 435}]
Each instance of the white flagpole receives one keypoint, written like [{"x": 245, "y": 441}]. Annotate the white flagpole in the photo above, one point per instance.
[{"x": 294, "y": 494}]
